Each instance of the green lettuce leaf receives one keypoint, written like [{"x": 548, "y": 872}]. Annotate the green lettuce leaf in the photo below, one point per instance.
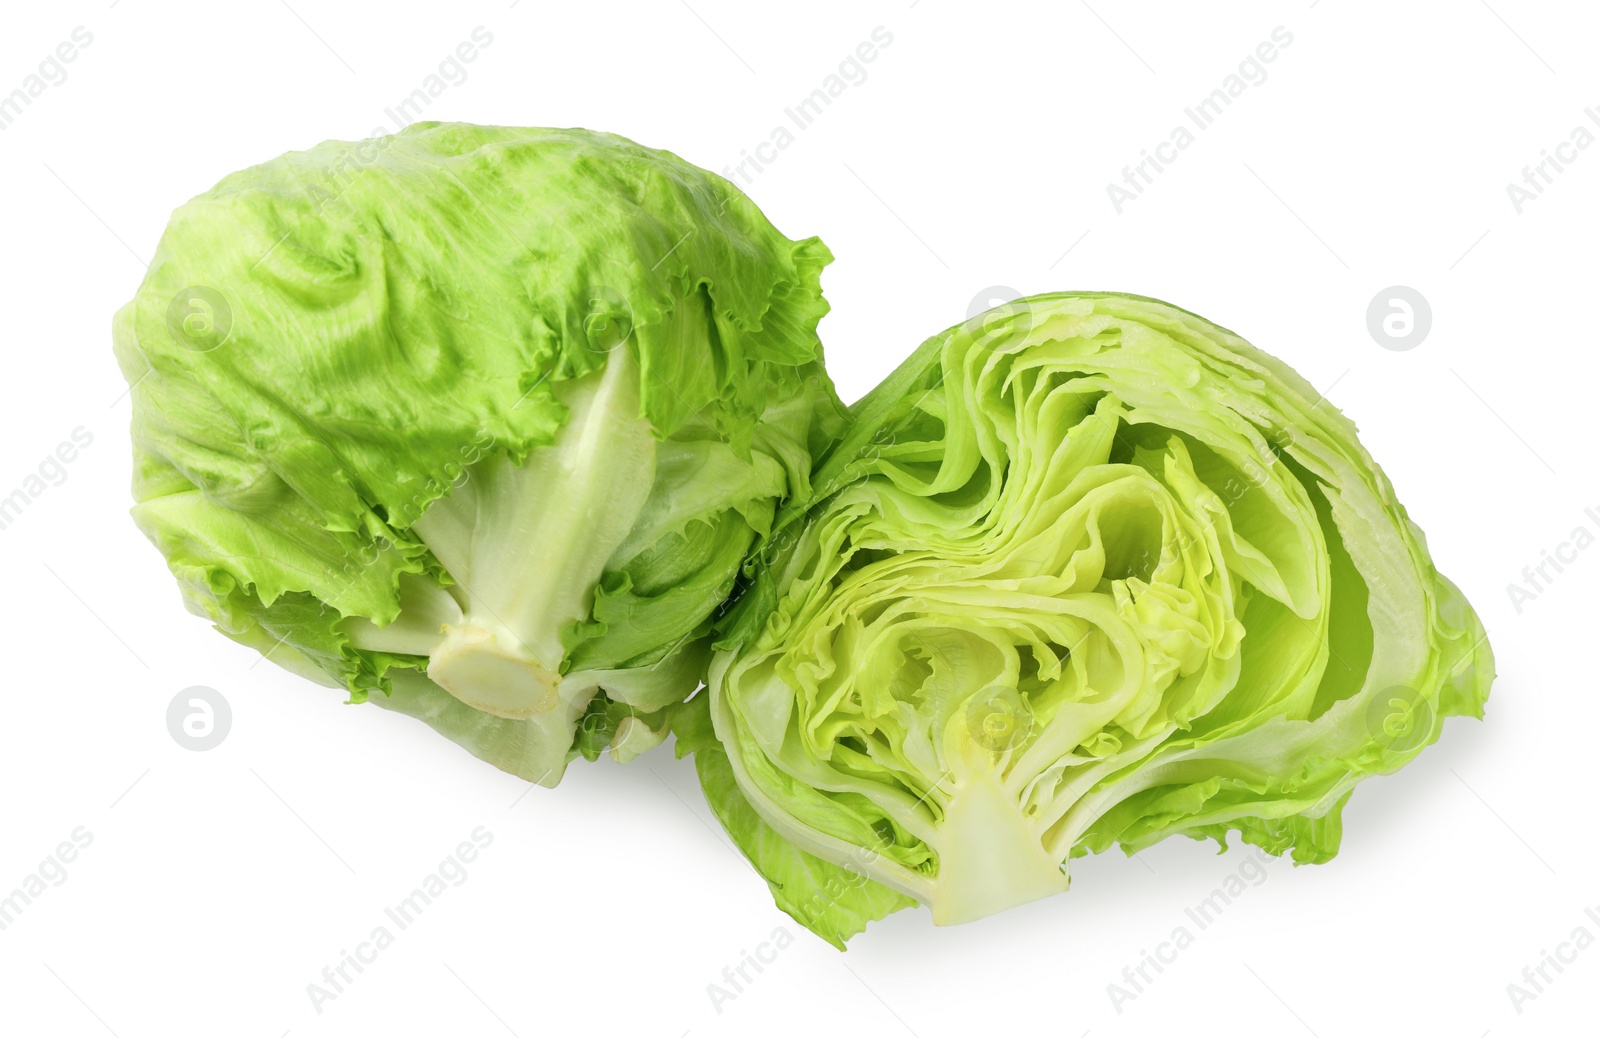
[{"x": 835, "y": 902}]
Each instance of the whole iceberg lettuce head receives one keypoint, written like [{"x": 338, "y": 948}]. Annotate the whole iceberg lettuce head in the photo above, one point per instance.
[
  {"x": 479, "y": 422},
  {"x": 1085, "y": 570}
]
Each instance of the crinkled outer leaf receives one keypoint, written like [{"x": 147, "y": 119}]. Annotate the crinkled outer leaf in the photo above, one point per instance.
[
  {"x": 329, "y": 344},
  {"x": 832, "y": 901},
  {"x": 1085, "y": 570}
]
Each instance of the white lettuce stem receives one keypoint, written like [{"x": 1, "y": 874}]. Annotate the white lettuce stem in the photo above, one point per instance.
[
  {"x": 526, "y": 544},
  {"x": 990, "y": 854}
]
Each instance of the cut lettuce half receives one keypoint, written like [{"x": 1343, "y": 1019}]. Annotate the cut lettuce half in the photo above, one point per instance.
[
  {"x": 477, "y": 422},
  {"x": 1086, "y": 570}
]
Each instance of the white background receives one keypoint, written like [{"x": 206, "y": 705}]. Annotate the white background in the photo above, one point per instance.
[{"x": 976, "y": 153}]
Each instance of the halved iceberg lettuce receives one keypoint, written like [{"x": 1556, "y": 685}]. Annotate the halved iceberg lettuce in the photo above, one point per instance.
[{"x": 1087, "y": 569}]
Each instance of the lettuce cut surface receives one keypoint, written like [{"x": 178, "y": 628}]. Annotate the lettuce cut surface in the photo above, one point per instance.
[
  {"x": 1087, "y": 570},
  {"x": 477, "y": 423}
]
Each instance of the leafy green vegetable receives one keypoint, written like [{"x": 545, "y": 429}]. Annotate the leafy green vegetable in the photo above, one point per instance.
[
  {"x": 482, "y": 419},
  {"x": 1085, "y": 570},
  {"x": 835, "y": 902}
]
